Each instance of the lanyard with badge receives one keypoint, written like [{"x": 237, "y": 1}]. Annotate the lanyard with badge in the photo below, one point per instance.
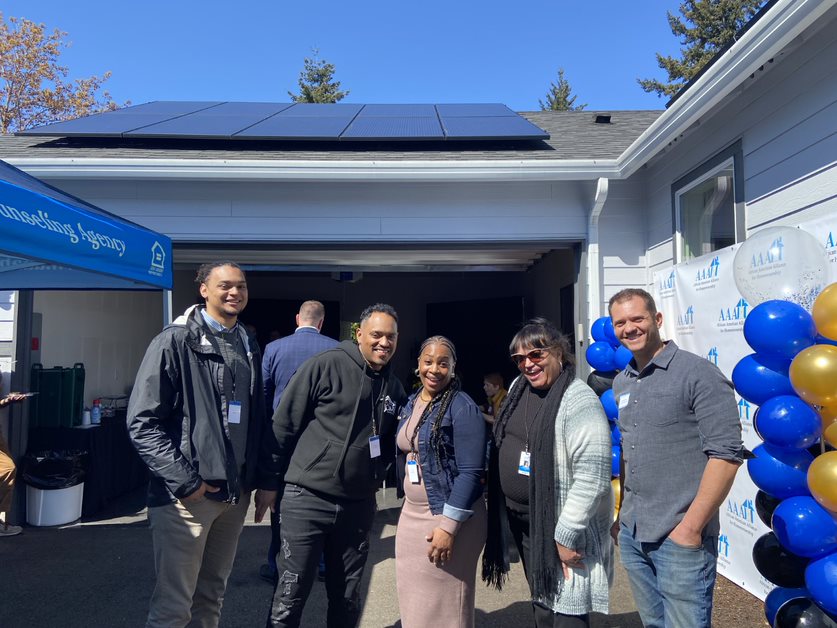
[
  {"x": 233, "y": 406},
  {"x": 524, "y": 465},
  {"x": 412, "y": 457},
  {"x": 375, "y": 439}
]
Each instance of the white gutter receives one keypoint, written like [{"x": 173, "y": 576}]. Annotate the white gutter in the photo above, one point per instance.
[
  {"x": 319, "y": 170},
  {"x": 774, "y": 31},
  {"x": 594, "y": 270}
]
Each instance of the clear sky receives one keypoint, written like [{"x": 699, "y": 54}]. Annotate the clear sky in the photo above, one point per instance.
[{"x": 427, "y": 51}]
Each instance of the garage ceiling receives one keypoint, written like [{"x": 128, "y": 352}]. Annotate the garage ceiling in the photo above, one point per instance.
[{"x": 370, "y": 257}]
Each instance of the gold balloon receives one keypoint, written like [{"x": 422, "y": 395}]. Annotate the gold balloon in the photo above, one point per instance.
[
  {"x": 828, "y": 414},
  {"x": 830, "y": 434},
  {"x": 825, "y": 312},
  {"x": 822, "y": 480},
  {"x": 617, "y": 493},
  {"x": 813, "y": 374}
]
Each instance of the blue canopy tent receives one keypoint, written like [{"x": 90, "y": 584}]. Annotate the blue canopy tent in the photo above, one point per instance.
[{"x": 52, "y": 240}]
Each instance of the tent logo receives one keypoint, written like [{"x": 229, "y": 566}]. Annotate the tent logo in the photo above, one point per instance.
[{"x": 158, "y": 259}]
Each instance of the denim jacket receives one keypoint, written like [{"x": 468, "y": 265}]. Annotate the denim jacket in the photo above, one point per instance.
[{"x": 457, "y": 483}]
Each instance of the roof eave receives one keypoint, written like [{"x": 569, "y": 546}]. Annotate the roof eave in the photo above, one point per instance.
[{"x": 320, "y": 170}]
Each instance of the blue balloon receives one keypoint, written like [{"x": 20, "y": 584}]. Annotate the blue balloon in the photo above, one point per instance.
[
  {"x": 610, "y": 333},
  {"x": 777, "y": 597},
  {"x": 787, "y": 421},
  {"x": 757, "y": 378},
  {"x": 615, "y": 457},
  {"x": 804, "y": 527},
  {"x": 615, "y": 434},
  {"x": 621, "y": 357},
  {"x": 822, "y": 340},
  {"x": 779, "y": 328},
  {"x": 821, "y": 582},
  {"x": 597, "y": 328},
  {"x": 600, "y": 356},
  {"x": 609, "y": 405},
  {"x": 780, "y": 472}
]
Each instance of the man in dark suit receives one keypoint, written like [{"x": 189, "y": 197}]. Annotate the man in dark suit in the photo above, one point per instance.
[{"x": 282, "y": 358}]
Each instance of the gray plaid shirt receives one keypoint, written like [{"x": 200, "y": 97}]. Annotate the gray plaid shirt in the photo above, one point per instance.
[{"x": 674, "y": 415}]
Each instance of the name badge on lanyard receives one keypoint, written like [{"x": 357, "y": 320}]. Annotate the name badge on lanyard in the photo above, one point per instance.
[
  {"x": 374, "y": 446},
  {"x": 524, "y": 467},
  {"x": 234, "y": 412},
  {"x": 412, "y": 472},
  {"x": 623, "y": 400}
]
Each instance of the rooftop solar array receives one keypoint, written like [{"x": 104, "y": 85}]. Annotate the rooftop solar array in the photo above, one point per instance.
[{"x": 300, "y": 121}]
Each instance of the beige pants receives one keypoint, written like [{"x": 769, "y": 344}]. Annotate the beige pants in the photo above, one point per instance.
[
  {"x": 7, "y": 478},
  {"x": 194, "y": 549}
]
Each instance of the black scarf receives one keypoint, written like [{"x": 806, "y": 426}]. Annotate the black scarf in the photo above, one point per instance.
[{"x": 544, "y": 567}]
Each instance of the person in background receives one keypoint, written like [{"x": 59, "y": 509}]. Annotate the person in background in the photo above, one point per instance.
[
  {"x": 196, "y": 417},
  {"x": 7, "y": 473},
  {"x": 681, "y": 449},
  {"x": 495, "y": 392},
  {"x": 441, "y": 442},
  {"x": 282, "y": 358},
  {"x": 335, "y": 428},
  {"x": 549, "y": 474}
]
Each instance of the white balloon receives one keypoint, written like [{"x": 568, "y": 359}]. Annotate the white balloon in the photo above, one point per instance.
[{"x": 781, "y": 263}]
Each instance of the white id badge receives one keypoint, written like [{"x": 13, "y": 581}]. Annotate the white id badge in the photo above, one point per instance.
[
  {"x": 623, "y": 400},
  {"x": 374, "y": 446},
  {"x": 523, "y": 468},
  {"x": 234, "y": 412},
  {"x": 412, "y": 471}
]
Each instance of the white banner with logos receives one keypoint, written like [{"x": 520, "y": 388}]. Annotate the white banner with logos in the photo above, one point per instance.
[{"x": 704, "y": 313}]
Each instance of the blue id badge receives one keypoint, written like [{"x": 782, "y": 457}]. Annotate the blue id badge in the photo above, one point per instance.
[
  {"x": 524, "y": 466},
  {"x": 374, "y": 446},
  {"x": 234, "y": 412},
  {"x": 412, "y": 472}
]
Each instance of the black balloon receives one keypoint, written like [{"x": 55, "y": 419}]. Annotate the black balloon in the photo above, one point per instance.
[
  {"x": 777, "y": 564},
  {"x": 600, "y": 381},
  {"x": 765, "y": 505},
  {"x": 802, "y": 613}
]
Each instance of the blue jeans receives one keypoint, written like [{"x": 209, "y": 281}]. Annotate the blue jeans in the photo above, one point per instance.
[{"x": 672, "y": 584}]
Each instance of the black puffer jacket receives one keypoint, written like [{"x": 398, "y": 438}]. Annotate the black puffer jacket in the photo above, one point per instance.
[
  {"x": 324, "y": 422},
  {"x": 175, "y": 419}
]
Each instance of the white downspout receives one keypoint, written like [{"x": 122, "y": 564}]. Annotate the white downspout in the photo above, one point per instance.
[{"x": 594, "y": 271}]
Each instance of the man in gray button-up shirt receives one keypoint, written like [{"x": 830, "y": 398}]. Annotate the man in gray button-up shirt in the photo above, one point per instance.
[{"x": 681, "y": 448}]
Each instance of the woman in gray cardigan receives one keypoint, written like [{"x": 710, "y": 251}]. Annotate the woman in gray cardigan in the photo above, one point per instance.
[{"x": 549, "y": 474}]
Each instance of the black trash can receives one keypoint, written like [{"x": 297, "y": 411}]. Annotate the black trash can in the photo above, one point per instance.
[{"x": 54, "y": 486}]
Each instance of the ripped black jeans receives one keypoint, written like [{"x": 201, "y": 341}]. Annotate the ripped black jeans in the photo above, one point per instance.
[{"x": 314, "y": 525}]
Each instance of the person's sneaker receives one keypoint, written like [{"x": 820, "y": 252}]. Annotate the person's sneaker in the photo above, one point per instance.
[
  {"x": 7, "y": 530},
  {"x": 269, "y": 573}
]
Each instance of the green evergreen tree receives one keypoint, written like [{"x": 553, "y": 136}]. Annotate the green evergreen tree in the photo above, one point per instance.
[
  {"x": 316, "y": 82},
  {"x": 559, "y": 97},
  {"x": 705, "y": 28}
]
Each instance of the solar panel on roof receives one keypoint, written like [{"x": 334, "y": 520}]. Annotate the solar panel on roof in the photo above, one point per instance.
[
  {"x": 301, "y": 121},
  {"x": 378, "y": 127},
  {"x": 492, "y": 128},
  {"x": 222, "y": 121},
  {"x": 471, "y": 110},
  {"x": 296, "y": 128}
]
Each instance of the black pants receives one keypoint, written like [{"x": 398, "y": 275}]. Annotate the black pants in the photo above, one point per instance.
[
  {"x": 544, "y": 617},
  {"x": 314, "y": 525}
]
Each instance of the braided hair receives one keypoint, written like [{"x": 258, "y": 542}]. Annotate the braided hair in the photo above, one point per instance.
[{"x": 440, "y": 401}]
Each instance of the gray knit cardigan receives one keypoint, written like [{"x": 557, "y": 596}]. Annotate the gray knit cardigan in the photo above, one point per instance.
[{"x": 583, "y": 501}]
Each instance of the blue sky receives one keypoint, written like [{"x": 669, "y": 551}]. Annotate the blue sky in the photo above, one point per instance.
[{"x": 384, "y": 52}]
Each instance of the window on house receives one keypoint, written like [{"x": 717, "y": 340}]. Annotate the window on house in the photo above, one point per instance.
[{"x": 708, "y": 207}]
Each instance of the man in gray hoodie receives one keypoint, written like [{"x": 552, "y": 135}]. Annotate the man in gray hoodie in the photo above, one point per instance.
[{"x": 335, "y": 427}]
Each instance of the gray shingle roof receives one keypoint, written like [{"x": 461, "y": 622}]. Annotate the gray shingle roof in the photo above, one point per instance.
[{"x": 574, "y": 135}]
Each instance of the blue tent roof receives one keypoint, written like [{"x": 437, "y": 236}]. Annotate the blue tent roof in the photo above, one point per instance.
[{"x": 52, "y": 240}]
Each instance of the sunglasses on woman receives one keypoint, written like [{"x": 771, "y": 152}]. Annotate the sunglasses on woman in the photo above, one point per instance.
[{"x": 535, "y": 356}]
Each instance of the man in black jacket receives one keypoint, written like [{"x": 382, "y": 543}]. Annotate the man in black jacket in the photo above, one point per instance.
[
  {"x": 335, "y": 427},
  {"x": 197, "y": 418}
]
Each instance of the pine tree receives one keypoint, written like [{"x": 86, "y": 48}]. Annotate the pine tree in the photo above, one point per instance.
[
  {"x": 316, "y": 82},
  {"x": 33, "y": 89},
  {"x": 705, "y": 28},
  {"x": 558, "y": 97}
]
